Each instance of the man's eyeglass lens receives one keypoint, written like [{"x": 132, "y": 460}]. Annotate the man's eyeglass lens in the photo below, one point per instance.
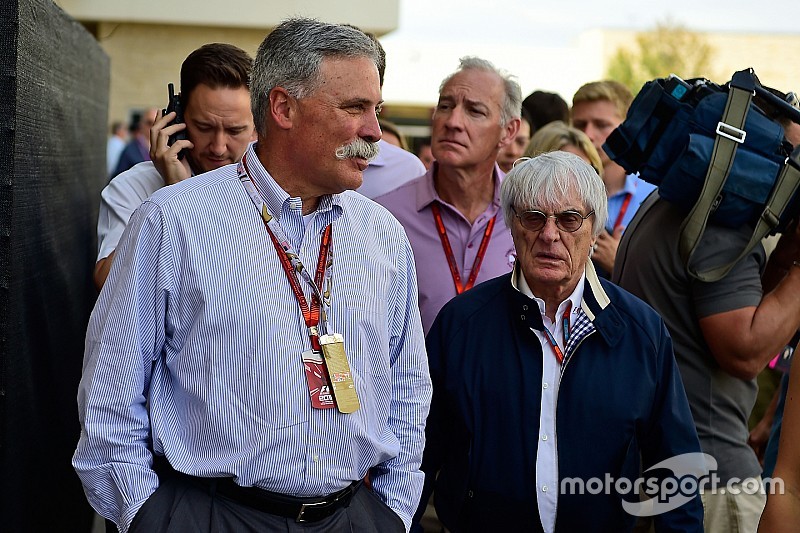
[{"x": 566, "y": 220}]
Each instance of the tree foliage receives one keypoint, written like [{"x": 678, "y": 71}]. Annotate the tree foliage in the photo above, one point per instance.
[{"x": 669, "y": 48}]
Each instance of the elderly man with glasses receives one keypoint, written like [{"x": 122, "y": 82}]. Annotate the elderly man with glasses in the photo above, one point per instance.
[{"x": 554, "y": 389}]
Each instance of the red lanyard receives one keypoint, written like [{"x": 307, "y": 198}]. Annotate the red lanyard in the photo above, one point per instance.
[
  {"x": 553, "y": 344},
  {"x": 291, "y": 262},
  {"x": 623, "y": 209},
  {"x": 310, "y": 314},
  {"x": 448, "y": 251}
]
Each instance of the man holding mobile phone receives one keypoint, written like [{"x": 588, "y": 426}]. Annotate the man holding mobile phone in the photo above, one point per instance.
[{"x": 215, "y": 98}]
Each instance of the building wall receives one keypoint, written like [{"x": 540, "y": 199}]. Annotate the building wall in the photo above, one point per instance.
[
  {"x": 772, "y": 56},
  {"x": 147, "y": 40},
  {"x": 377, "y": 16},
  {"x": 145, "y": 57}
]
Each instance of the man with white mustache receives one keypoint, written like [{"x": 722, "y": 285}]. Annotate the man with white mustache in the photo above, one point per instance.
[
  {"x": 257, "y": 350},
  {"x": 358, "y": 149}
]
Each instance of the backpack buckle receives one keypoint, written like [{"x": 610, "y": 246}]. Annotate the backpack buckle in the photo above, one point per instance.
[{"x": 731, "y": 132}]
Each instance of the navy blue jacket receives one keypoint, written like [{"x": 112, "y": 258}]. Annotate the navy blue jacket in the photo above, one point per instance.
[{"x": 620, "y": 399}]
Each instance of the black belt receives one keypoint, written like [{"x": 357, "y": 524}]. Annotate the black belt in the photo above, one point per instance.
[{"x": 301, "y": 509}]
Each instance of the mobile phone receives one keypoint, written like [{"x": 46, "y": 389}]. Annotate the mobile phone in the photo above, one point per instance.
[{"x": 174, "y": 104}]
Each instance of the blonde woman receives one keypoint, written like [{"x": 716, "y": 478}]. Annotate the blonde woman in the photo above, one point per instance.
[{"x": 558, "y": 136}]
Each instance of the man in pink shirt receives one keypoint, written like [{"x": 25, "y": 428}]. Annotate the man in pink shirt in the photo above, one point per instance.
[{"x": 451, "y": 212}]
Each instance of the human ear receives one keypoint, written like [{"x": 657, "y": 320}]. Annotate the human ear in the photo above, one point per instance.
[
  {"x": 282, "y": 107},
  {"x": 509, "y": 132}
]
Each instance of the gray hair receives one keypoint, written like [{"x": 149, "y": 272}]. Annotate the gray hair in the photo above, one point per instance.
[
  {"x": 291, "y": 56},
  {"x": 511, "y": 106},
  {"x": 547, "y": 179}
]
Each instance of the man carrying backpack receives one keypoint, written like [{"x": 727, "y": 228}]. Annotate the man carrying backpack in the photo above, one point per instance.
[{"x": 724, "y": 333}]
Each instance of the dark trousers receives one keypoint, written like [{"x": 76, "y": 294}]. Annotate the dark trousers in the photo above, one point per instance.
[{"x": 181, "y": 506}]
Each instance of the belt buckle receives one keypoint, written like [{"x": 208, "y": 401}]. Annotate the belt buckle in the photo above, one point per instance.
[{"x": 303, "y": 508}]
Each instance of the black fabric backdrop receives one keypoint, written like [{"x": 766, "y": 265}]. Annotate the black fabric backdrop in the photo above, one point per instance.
[{"x": 54, "y": 81}]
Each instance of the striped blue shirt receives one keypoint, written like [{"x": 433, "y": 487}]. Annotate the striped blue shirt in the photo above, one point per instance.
[{"x": 194, "y": 351}]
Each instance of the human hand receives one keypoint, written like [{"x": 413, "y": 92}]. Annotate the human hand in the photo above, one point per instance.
[
  {"x": 605, "y": 249},
  {"x": 165, "y": 157}
]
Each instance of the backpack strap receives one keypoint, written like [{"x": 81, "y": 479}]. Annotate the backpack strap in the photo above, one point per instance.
[
  {"x": 730, "y": 134},
  {"x": 786, "y": 186}
]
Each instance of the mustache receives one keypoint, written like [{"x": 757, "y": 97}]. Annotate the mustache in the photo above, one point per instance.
[{"x": 359, "y": 148}]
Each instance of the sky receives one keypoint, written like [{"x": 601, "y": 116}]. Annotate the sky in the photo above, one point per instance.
[{"x": 517, "y": 35}]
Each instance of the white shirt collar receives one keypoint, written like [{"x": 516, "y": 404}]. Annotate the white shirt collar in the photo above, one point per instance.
[{"x": 519, "y": 282}]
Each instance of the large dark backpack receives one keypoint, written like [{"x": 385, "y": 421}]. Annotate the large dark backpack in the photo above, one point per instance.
[{"x": 714, "y": 153}]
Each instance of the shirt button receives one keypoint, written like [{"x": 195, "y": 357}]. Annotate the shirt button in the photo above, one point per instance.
[
  {"x": 544, "y": 437},
  {"x": 522, "y": 317},
  {"x": 545, "y": 385},
  {"x": 470, "y": 245},
  {"x": 544, "y": 488},
  {"x": 316, "y": 458},
  {"x": 524, "y": 307}
]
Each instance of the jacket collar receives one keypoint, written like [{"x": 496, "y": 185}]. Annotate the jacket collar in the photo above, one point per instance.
[
  {"x": 596, "y": 304},
  {"x": 599, "y": 308},
  {"x": 595, "y": 298}
]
